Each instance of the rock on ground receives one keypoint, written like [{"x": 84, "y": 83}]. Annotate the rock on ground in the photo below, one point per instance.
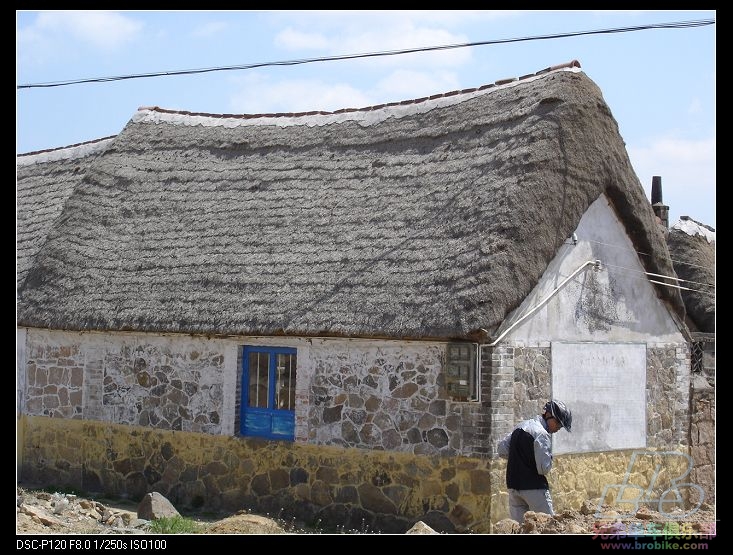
[{"x": 41, "y": 512}]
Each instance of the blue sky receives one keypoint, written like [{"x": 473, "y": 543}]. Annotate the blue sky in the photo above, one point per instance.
[{"x": 659, "y": 83}]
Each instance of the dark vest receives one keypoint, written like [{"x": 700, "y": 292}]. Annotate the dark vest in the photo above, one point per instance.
[{"x": 521, "y": 470}]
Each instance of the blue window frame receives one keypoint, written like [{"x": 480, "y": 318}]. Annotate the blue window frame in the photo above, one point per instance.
[{"x": 268, "y": 392}]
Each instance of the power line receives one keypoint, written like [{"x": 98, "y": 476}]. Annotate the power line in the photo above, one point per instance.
[
  {"x": 672, "y": 25},
  {"x": 674, "y": 260},
  {"x": 674, "y": 278}
]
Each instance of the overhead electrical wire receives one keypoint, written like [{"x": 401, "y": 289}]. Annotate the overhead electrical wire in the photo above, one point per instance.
[
  {"x": 672, "y": 25},
  {"x": 674, "y": 260},
  {"x": 674, "y": 278}
]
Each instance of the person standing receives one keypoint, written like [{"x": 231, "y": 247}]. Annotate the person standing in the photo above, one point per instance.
[{"x": 528, "y": 450}]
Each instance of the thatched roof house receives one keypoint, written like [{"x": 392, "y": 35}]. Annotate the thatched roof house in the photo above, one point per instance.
[
  {"x": 692, "y": 247},
  {"x": 430, "y": 218},
  {"x": 410, "y": 278}
]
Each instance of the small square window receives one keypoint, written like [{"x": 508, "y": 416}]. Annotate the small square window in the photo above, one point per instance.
[{"x": 461, "y": 381}]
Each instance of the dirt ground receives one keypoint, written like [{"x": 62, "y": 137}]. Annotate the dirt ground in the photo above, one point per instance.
[{"x": 43, "y": 512}]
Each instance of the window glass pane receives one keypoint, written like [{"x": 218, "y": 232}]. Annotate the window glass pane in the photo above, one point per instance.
[
  {"x": 259, "y": 364},
  {"x": 285, "y": 382}
]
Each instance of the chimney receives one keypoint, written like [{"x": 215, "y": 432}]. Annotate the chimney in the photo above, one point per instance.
[{"x": 660, "y": 209}]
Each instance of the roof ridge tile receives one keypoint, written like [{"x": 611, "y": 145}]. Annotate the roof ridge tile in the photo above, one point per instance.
[{"x": 568, "y": 65}]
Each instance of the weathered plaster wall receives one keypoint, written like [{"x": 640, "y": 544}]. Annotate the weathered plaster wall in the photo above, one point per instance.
[{"x": 612, "y": 305}]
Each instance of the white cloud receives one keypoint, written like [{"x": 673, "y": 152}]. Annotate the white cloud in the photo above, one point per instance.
[
  {"x": 60, "y": 37},
  {"x": 291, "y": 39},
  {"x": 407, "y": 36},
  {"x": 348, "y": 20},
  {"x": 32, "y": 47},
  {"x": 260, "y": 95},
  {"x": 455, "y": 18},
  {"x": 406, "y": 84},
  {"x": 55, "y": 36},
  {"x": 687, "y": 168},
  {"x": 334, "y": 33},
  {"x": 681, "y": 150},
  {"x": 100, "y": 29},
  {"x": 695, "y": 107},
  {"x": 210, "y": 29}
]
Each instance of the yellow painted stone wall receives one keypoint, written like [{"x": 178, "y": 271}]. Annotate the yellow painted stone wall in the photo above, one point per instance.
[
  {"x": 336, "y": 487},
  {"x": 353, "y": 488},
  {"x": 575, "y": 479},
  {"x": 19, "y": 440}
]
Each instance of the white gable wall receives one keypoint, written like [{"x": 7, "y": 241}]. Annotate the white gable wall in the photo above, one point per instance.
[
  {"x": 616, "y": 303},
  {"x": 605, "y": 329}
]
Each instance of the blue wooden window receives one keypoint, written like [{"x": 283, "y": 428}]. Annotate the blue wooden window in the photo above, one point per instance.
[{"x": 268, "y": 392}]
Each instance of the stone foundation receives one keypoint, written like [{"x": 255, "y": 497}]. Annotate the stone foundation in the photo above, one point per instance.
[{"x": 330, "y": 487}]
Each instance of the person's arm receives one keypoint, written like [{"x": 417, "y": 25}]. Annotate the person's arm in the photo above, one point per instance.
[
  {"x": 502, "y": 448},
  {"x": 543, "y": 453}
]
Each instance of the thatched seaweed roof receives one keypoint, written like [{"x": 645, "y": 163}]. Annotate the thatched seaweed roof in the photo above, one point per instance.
[
  {"x": 692, "y": 247},
  {"x": 44, "y": 181},
  {"x": 431, "y": 218}
]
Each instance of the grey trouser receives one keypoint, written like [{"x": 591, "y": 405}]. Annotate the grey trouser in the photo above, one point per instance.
[{"x": 521, "y": 501}]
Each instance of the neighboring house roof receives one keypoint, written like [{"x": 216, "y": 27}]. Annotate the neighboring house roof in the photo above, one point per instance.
[
  {"x": 692, "y": 247},
  {"x": 430, "y": 218},
  {"x": 44, "y": 180}
]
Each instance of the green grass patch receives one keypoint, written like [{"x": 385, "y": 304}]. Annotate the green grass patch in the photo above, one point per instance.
[{"x": 175, "y": 525}]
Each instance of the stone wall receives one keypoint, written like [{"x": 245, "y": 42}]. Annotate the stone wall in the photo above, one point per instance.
[
  {"x": 333, "y": 488},
  {"x": 668, "y": 396},
  {"x": 598, "y": 477},
  {"x": 329, "y": 487},
  {"x": 54, "y": 381},
  {"x": 157, "y": 383},
  {"x": 532, "y": 380},
  {"x": 518, "y": 381},
  {"x": 384, "y": 395},
  {"x": 377, "y": 441},
  {"x": 702, "y": 427},
  {"x": 703, "y": 443},
  {"x": 387, "y": 396}
]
